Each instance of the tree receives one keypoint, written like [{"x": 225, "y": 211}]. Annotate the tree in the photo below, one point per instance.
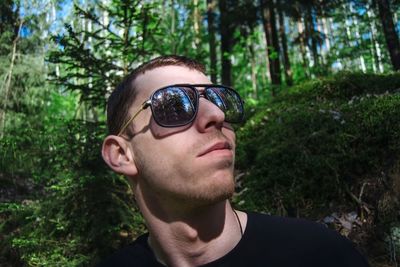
[
  {"x": 7, "y": 81},
  {"x": 95, "y": 58},
  {"x": 226, "y": 29},
  {"x": 392, "y": 39},
  {"x": 376, "y": 46},
  {"x": 310, "y": 37},
  {"x": 285, "y": 52},
  {"x": 211, "y": 39},
  {"x": 269, "y": 21},
  {"x": 22, "y": 66}
]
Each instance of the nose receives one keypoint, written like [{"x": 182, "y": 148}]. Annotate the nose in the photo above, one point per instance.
[{"x": 209, "y": 116}]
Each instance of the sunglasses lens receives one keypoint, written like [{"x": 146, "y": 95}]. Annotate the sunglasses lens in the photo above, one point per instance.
[
  {"x": 174, "y": 106},
  {"x": 228, "y": 101}
]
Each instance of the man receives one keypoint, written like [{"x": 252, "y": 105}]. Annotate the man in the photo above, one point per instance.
[{"x": 170, "y": 135}]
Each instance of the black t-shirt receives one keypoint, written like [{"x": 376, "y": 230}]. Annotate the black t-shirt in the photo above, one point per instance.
[{"x": 268, "y": 241}]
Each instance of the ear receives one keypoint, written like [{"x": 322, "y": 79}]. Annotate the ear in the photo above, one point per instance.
[{"x": 118, "y": 154}]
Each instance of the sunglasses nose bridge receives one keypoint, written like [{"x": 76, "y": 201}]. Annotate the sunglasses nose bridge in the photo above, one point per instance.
[
  {"x": 208, "y": 112},
  {"x": 202, "y": 94},
  {"x": 215, "y": 99}
]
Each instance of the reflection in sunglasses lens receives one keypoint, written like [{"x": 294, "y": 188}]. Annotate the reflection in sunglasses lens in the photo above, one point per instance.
[
  {"x": 228, "y": 101},
  {"x": 174, "y": 106},
  {"x": 215, "y": 97}
]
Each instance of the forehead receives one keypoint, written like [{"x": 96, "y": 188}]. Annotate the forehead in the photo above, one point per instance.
[{"x": 167, "y": 75}]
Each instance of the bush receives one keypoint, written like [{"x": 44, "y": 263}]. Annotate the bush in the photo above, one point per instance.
[
  {"x": 318, "y": 140},
  {"x": 84, "y": 211}
]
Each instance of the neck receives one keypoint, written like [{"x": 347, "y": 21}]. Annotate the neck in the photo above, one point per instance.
[{"x": 190, "y": 236}]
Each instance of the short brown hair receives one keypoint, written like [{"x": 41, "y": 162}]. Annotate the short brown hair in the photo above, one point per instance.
[{"x": 123, "y": 96}]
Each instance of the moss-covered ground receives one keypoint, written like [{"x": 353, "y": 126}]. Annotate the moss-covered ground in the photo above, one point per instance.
[{"x": 329, "y": 150}]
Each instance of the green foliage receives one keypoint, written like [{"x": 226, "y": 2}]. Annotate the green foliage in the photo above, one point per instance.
[
  {"x": 301, "y": 150},
  {"x": 96, "y": 52},
  {"x": 84, "y": 212},
  {"x": 76, "y": 211},
  {"x": 177, "y": 19},
  {"x": 318, "y": 140},
  {"x": 341, "y": 87}
]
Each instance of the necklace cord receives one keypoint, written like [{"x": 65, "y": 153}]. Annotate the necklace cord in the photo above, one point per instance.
[{"x": 240, "y": 224}]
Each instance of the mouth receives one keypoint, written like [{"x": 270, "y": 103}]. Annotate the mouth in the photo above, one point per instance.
[{"x": 221, "y": 146}]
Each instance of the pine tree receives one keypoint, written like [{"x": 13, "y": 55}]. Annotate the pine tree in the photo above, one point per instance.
[{"x": 112, "y": 40}]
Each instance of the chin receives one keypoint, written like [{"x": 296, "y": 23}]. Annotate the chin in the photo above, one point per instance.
[{"x": 212, "y": 193}]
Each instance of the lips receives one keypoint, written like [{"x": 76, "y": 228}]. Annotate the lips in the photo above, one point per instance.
[{"x": 216, "y": 146}]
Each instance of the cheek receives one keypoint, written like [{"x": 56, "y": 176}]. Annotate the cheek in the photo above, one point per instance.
[
  {"x": 161, "y": 156},
  {"x": 159, "y": 132},
  {"x": 162, "y": 166}
]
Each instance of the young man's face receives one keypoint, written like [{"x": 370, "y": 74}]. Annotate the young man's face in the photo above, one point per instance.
[{"x": 170, "y": 161}]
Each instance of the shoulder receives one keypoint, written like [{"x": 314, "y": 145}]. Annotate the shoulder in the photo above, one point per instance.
[
  {"x": 135, "y": 254},
  {"x": 289, "y": 228},
  {"x": 287, "y": 224},
  {"x": 302, "y": 239}
]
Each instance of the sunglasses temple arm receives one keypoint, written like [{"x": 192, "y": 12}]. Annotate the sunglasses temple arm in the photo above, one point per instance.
[{"x": 144, "y": 106}]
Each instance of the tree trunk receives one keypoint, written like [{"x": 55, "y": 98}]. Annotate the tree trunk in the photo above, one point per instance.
[
  {"x": 358, "y": 38},
  {"x": 145, "y": 21},
  {"x": 262, "y": 40},
  {"x": 377, "y": 50},
  {"x": 392, "y": 39},
  {"x": 311, "y": 34},
  {"x": 303, "y": 47},
  {"x": 7, "y": 81},
  {"x": 286, "y": 60},
  {"x": 173, "y": 13},
  {"x": 250, "y": 46},
  {"x": 196, "y": 24},
  {"x": 326, "y": 26},
  {"x": 272, "y": 41},
  {"x": 211, "y": 40},
  {"x": 125, "y": 36},
  {"x": 322, "y": 51},
  {"x": 53, "y": 19},
  {"x": 226, "y": 30},
  {"x": 347, "y": 24}
]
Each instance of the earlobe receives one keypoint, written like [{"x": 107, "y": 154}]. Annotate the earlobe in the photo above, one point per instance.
[{"x": 118, "y": 155}]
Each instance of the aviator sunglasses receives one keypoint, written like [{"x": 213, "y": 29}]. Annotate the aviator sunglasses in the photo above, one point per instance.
[{"x": 177, "y": 105}]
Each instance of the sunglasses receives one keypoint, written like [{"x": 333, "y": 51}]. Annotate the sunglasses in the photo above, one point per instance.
[{"x": 177, "y": 105}]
